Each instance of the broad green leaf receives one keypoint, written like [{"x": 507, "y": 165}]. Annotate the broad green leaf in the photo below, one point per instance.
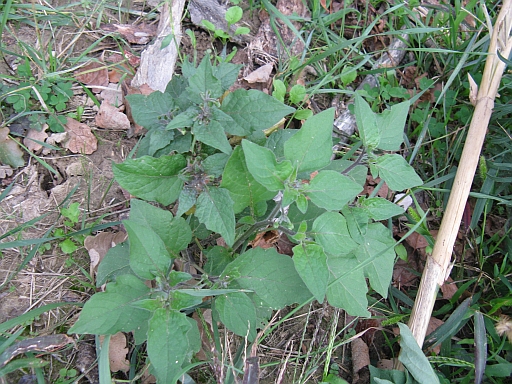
[
  {"x": 297, "y": 94},
  {"x": 229, "y": 125},
  {"x": 296, "y": 217},
  {"x": 396, "y": 172},
  {"x": 115, "y": 263},
  {"x": 214, "y": 208},
  {"x": 254, "y": 110},
  {"x": 173, "y": 231},
  {"x": 217, "y": 260},
  {"x": 391, "y": 123},
  {"x": 212, "y": 134},
  {"x": 177, "y": 89},
  {"x": 331, "y": 232},
  {"x": 311, "y": 264},
  {"x": 310, "y": 149},
  {"x": 237, "y": 313},
  {"x": 203, "y": 84},
  {"x": 276, "y": 140},
  {"x": 227, "y": 73},
  {"x": 366, "y": 123},
  {"x": 151, "y": 179},
  {"x": 214, "y": 164},
  {"x": 378, "y": 245},
  {"x": 414, "y": 359},
  {"x": 357, "y": 222},
  {"x": 381, "y": 209},
  {"x": 176, "y": 277},
  {"x": 183, "y": 120},
  {"x": 348, "y": 75},
  {"x": 233, "y": 15},
  {"x": 332, "y": 190},
  {"x": 186, "y": 200},
  {"x": 148, "y": 256},
  {"x": 263, "y": 166},
  {"x": 270, "y": 275},
  {"x": 169, "y": 345},
  {"x": 244, "y": 189},
  {"x": 109, "y": 312},
  {"x": 181, "y": 300},
  {"x": 10, "y": 152},
  {"x": 347, "y": 286},
  {"x": 152, "y": 111},
  {"x": 153, "y": 141},
  {"x": 279, "y": 91}
]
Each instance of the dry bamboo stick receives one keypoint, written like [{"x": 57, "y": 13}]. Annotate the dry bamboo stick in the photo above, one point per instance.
[{"x": 437, "y": 267}]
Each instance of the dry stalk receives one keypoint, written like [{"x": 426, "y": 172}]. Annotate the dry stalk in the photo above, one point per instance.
[{"x": 437, "y": 266}]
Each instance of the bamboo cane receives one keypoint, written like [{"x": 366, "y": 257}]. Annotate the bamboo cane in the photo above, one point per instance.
[{"x": 437, "y": 266}]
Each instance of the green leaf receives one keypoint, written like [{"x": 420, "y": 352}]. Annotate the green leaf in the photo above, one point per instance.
[
  {"x": 152, "y": 111},
  {"x": 276, "y": 140},
  {"x": 176, "y": 88},
  {"x": 149, "y": 257},
  {"x": 377, "y": 244},
  {"x": 237, "y": 313},
  {"x": 311, "y": 264},
  {"x": 212, "y": 134},
  {"x": 68, "y": 246},
  {"x": 153, "y": 141},
  {"x": 229, "y": 125},
  {"x": 348, "y": 75},
  {"x": 297, "y": 94},
  {"x": 331, "y": 232},
  {"x": 391, "y": 124},
  {"x": 347, "y": 286},
  {"x": 310, "y": 149},
  {"x": 270, "y": 275},
  {"x": 279, "y": 91},
  {"x": 181, "y": 300},
  {"x": 214, "y": 208},
  {"x": 263, "y": 166},
  {"x": 109, "y": 312},
  {"x": 169, "y": 343},
  {"x": 244, "y": 189},
  {"x": 115, "y": 263},
  {"x": 303, "y": 114},
  {"x": 202, "y": 83},
  {"x": 332, "y": 190},
  {"x": 227, "y": 73},
  {"x": 152, "y": 179},
  {"x": 217, "y": 260},
  {"x": 233, "y": 15},
  {"x": 173, "y": 231},
  {"x": 366, "y": 123},
  {"x": 187, "y": 199},
  {"x": 214, "y": 164},
  {"x": 381, "y": 209},
  {"x": 413, "y": 357},
  {"x": 396, "y": 172},
  {"x": 254, "y": 110},
  {"x": 10, "y": 152},
  {"x": 184, "y": 119}
]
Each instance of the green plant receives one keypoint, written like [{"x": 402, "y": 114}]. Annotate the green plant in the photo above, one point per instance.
[
  {"x": 296, "y": 96},
  {"x": 71, "y": 214},
  {"x": 233, "y": 189}
]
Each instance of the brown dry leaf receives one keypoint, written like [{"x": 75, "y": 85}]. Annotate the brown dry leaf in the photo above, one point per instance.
[
  {"x": 260, "y": 75},
  {"x": 360, "y": 357},
  {"x": 117, "y": 353},
  {"x": 370, "y": 185},
  {"x": 433, "y": 324},
  {"x": 135, "y": 34},
  {"x": 265, "y": 239},
  {"x": 92, "y": 74},
  {"x": 449, "y": 288},
  {"x": 417, "y": 241},
  {"x": 112, "y": 95},
  {"x": 80, "y": 138},
  {"x": 110, "y": 117},
  {"x": 403, "y": 274},
  {"x": 32, "y": 138},
  {"x": 5, "y": 171},
  {"x": 98, "y": 246}
]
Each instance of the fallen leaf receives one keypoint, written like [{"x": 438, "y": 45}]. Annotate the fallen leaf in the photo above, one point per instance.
[
  {"x": 360, "y": 357},
  {"x": 80, "y": 138},
  {"x": 265, "y": 239},
  {"x": 117, "y": 353},
  {"x": 135, "y": 34},
  {"x": 32, "y": 138},
  {"x": 260, "y": 75},
  {"x": 417, "y": 241},
  {"x": 93, "y": 74},
  {"x": 433, "y": 324},
  {"x": 5, "y": 171},
  {"x": 98, "y": 246},
  {"x": 10, "y": 152},
  {"x": 112, "y": 95},
  {"x": 449, "y": 288},
  {"x": 111, "y": 117}
]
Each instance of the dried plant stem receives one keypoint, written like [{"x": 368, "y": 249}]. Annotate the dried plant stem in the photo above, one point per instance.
[{"x": 437, "y": 267}]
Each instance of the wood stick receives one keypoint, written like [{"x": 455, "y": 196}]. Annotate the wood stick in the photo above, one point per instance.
[{"x": 437, "y": 267}]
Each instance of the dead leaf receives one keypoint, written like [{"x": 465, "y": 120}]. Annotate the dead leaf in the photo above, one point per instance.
[
  {"x": 10, "y": 153},
  {"x": 360, "y": 357},
  {"x": 117, "y": 353},
  {"x": 112, "y": 95},
  {"x": 32, "y": 138},
  {"x": 80, "y": 138},
  {"x": 473, "y": 90},
  {"x": 403, "y": 273},
  {"x": 449, "y": 288},
  {"x": 92, "y": 74},
  {"x": 135, "y": 34},
  {"x": 111, "y": 117},
  {"x": 5, "y": 171},
  {"x": 433, "y": 324},
  {"x": 417, "y": 241},
  {"x": 98, "y": 246},
  {"x": 260, "y": 75},
  {"x": 265, "y": 240}
]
